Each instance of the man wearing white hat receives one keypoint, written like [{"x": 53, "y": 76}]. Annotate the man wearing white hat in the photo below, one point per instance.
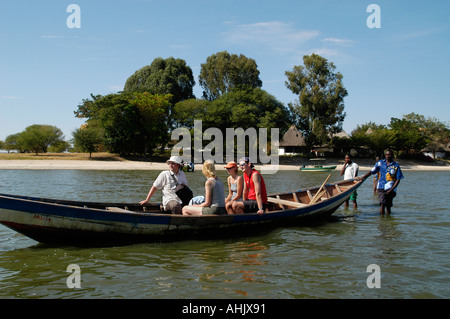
[{"x": 168, "y": 182}]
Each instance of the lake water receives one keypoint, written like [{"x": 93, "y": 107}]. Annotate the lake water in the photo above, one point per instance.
[{"x": 330, "y": 260}]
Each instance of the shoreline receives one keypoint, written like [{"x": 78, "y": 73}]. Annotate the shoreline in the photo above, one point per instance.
[{"x": 136, "y": 165}]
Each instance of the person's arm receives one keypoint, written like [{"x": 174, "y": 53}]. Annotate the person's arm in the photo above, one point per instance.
[
  {"x": 240, "y": 186},
  {"x": 257, "y": 182},
  {"x": 208, "y": 194},
  {"x": 343, "y": 168},
  {"x": 393, "y": 186},
  {"x": 245, "y": 192},
  {"x": 150, "y": 194},
  {"x": 229, "y": 191},
  {"x": 374, "y": 170}
]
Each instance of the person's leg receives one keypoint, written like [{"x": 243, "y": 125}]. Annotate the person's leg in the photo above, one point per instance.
[
  {"x": 238, "y": 207},
  {"x": 174, "y": 207},
  {"x": 192, "y": 211},
  {"x": 353, "y": 197},
  {"x": 229, "y": 207}
]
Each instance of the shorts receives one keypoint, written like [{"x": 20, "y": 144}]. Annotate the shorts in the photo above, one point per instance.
[
  {"x": 354, "y": 196},
  {"x": 386, "y": 199},
  {"x": 251, "y": 206},
  {"x": 213, "y": 210},
  {"x": 173, "y": 207}
]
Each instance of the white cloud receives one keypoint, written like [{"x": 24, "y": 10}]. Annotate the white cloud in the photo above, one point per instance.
[
  {"x": 10, "y": 97},
  {"x": 339, "y": 42},
  {"x": 276, "y": 36},
  {"x": 52, "y": 37}
]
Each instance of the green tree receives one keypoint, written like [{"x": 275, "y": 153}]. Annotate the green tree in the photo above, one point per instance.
[
  {"x": 320, "y": 109},
  {"x": 187, "y": 111},
  {"x": 37, "y": 138},
  {"x": 437, "y": 133},
  {"x": 407, "y": 135},
  {"x": 12, "y": 142},
  {"x": 247, "y": 107},
  {"x": 59, "y": 147},
  {"x": 87, "y": 139},
  {"x": 132, "y": 122},
  {"x": 163, "y": 76},
  {"x": 224, "y": 71}
]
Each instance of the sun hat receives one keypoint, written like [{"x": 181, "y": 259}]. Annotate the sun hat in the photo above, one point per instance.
[
  {"x": 175, "y": 159},
  {"x": 231, "y": 164}
]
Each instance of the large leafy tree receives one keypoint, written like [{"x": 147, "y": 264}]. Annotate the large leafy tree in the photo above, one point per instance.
[
  {"x": 37, "y": 138},
  {"x": 224, "y": 71},
  {"x": 132, "y": 122},
  {"x": 413, "y": 132},
  {"x": 87, "y": 138},
  {"x": 319, "y": 111},
  {"x": 247, "y": 107},
  {"x": 12, "y": 143},
  {"x": 376, "y": 137},
  {"x": 163, "y": 76},
  {"x": 187, "y": 111}
]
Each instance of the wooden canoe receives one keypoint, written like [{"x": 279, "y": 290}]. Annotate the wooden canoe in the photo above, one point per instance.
[{"x": 81, "y": 223}]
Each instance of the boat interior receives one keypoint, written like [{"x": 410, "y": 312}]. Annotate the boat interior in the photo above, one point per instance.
[{"x": 276, "y": 202}]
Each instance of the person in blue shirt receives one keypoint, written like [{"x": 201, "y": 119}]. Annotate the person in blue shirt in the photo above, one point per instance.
[{"x": 390, "y": 176}]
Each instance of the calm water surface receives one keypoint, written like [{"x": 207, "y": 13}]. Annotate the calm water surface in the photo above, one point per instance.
[{"x": 330, "y": 260}]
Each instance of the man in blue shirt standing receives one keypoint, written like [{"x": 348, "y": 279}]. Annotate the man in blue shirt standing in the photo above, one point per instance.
[{"x": 390, "y": 176}]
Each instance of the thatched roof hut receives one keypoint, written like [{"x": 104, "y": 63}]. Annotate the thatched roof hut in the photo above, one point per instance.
[{"x": 292, "y": 142}]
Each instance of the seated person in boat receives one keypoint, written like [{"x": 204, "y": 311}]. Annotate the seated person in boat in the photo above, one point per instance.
[
  {"x": 214, "y": 203},
  {"x": 254, "y": 194},
  {"x": 235, "y": 186},
  {"x": 168, "y": 182}
]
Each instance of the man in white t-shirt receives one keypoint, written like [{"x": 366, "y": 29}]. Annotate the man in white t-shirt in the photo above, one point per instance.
[
  {"x": 350, "y": 171},
  {"x": 168, "y": 182}
]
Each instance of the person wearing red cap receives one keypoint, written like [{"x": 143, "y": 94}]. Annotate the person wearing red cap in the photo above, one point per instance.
[{"x": 235, "y": 186}]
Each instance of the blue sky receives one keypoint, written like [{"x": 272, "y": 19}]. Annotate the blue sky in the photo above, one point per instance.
[{"x": 47, "y": 68}]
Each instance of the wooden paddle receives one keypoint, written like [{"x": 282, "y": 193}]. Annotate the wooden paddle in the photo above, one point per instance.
[{"x": 320, "y": 192}]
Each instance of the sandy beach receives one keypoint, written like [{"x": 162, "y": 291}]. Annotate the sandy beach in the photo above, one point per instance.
[{"x": 137, "y": 165}]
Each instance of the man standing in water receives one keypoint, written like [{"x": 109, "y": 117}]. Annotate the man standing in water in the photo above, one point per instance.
[
  {"x": 350, "y": 171},
  {"x": 390, "y": 176}
]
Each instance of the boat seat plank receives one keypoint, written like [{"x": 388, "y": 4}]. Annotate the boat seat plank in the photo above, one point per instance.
[
  {"x": 281, "y": 205},
  {"x": 285, "y": 202},
  {"x": 117, "y": 209}
]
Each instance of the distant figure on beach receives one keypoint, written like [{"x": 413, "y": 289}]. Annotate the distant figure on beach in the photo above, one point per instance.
[
  {"x": 390, "y": 176},
  {"x": 255, "y": 193},
  {"x": 214, "y": 203},
  {"x": 350, "y": 171},
  {"x": 169, "y": 181},
  {"x": 235, "y": 186}
]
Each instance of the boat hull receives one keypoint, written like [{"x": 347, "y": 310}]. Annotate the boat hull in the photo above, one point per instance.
[{"x": 52, "y": 221}]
